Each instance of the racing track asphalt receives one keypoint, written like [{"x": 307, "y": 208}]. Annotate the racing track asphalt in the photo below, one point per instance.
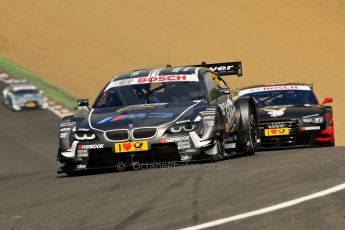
[
  {"x": 28, "y": 140},
  {"x": 177, "y": 197},
  {"x": 33, "y": 196}
]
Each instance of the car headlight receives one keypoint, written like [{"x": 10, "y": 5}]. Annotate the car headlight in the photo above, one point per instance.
[
  {"x": 316, "y": 120},
  {"x": 82, "y": 136},
  {"x": 187, "y": 127}
]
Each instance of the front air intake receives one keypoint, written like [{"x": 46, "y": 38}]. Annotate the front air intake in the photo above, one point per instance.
[
  {"x": 117, "y": 135},
  {"x": 144, "y": 133}
]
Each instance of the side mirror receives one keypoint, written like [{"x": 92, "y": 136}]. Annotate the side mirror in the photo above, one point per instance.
[
  {"x": 327, "y": 100},
  {"x": 83, "y": 102}
]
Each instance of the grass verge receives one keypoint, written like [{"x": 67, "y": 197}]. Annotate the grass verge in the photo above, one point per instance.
[{"x": 18, "y": 72}]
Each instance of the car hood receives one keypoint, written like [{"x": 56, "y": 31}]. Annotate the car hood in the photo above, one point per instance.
[
  {"x": 288, "y": 112},
  {"x": 146, "y": 115}
]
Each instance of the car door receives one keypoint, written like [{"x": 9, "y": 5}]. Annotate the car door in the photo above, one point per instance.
[{"x": 216, "y": 88}]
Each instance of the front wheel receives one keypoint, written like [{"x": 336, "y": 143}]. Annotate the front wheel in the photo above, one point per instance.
[
  {"x": 220, "y": 148},
  {"x": 253, "y": 131}
]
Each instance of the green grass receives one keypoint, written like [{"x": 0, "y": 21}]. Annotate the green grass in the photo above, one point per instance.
[{"x": 56, "y": 94}]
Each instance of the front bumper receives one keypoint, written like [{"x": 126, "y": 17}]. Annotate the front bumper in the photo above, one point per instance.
[
  {"x": 27, "y": 106},
  {"x": 178, "y": 148},
  {"x": 299, "y": 136}
]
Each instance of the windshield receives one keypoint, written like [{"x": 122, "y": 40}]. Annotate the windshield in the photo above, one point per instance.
[
  {"x": 283, "y": 97},
  {"x": 25, "y": 91},
  {"x": 162, "y": 92}
]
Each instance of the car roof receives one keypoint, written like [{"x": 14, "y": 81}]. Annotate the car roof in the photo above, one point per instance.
[{"x": 162, "y": 71}]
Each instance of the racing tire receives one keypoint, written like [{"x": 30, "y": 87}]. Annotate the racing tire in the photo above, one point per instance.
[
  {"x": 249, "y": 128},
  {"x": 221, "y": 150},
  {"x": 253, "y": 132}
]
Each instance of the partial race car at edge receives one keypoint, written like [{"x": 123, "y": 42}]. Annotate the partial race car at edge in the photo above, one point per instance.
[
  {"x": 291, "y": 116},
  {"x": 177, "y": 114}
]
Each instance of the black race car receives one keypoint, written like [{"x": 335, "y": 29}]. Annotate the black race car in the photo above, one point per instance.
[
  {"x": 291, "y": 116},
  {"x": 176, "y": 114}
]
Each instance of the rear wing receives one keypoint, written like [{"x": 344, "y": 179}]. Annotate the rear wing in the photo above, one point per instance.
[{"x": 224, "y": 69}]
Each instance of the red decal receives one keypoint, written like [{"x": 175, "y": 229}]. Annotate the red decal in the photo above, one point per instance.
[
  {"x": 118, "y": 117},
  {"x": 163, "y": 141},
  {"x": 273, "y": 131},
  {"x": 127, "y": 146},
  {"x": 183, "y": 78},
  {"x": 142, "y": 80},
  {"x": 281, "y": 87}
]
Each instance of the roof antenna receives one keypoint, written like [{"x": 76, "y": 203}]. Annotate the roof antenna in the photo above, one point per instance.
[{"x": 169, "y": 61}]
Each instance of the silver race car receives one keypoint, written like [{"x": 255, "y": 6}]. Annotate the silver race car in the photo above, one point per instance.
[{"x": 22, "y": 95}]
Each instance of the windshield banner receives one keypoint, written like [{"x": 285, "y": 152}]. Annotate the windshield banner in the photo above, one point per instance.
[
  {"x": 274, "y": 88},
  {"x": 154, "y": 79}
]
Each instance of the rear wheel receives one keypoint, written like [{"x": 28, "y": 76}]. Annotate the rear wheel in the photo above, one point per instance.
[{"x": 247, "y": 135}]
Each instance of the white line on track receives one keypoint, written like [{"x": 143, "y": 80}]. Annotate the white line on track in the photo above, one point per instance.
[{"x": 267, "y": 209}]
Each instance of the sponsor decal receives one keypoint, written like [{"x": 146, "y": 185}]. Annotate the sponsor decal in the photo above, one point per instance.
[
  {"x": 276, "y": 125},
  {"x": 183, "y": 145},
  {"x": 310, "y": 128},
  {"x": 208, "y": 112},
  {"x": 190, "y": 151},
  {"x": 63, "y": 135},
  {"x": 208, "y": 117},
  {"x": 163, "y": 78},
  {"x": 81, "y": 167},
  {"x": 175, "y": 139},
  {"x": 83, "y": 129},
  {"x": 67, "y": 124},
  {"x": 277, "y": 132},
  {"x": 145, "y": 80},
  {"x": 182, "y": 142},
  {"x": 86, "y": 147},
  {"x": 182, "y": 122},
  {"x": 65, "y": 129},
  {"x": 82, "y": 153},
  {"x": 276, "y": 112},
  {"x": 221, "y": 68},
  {"x": 131, "y": 146},
  {"x": 135, "y": 116}
]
